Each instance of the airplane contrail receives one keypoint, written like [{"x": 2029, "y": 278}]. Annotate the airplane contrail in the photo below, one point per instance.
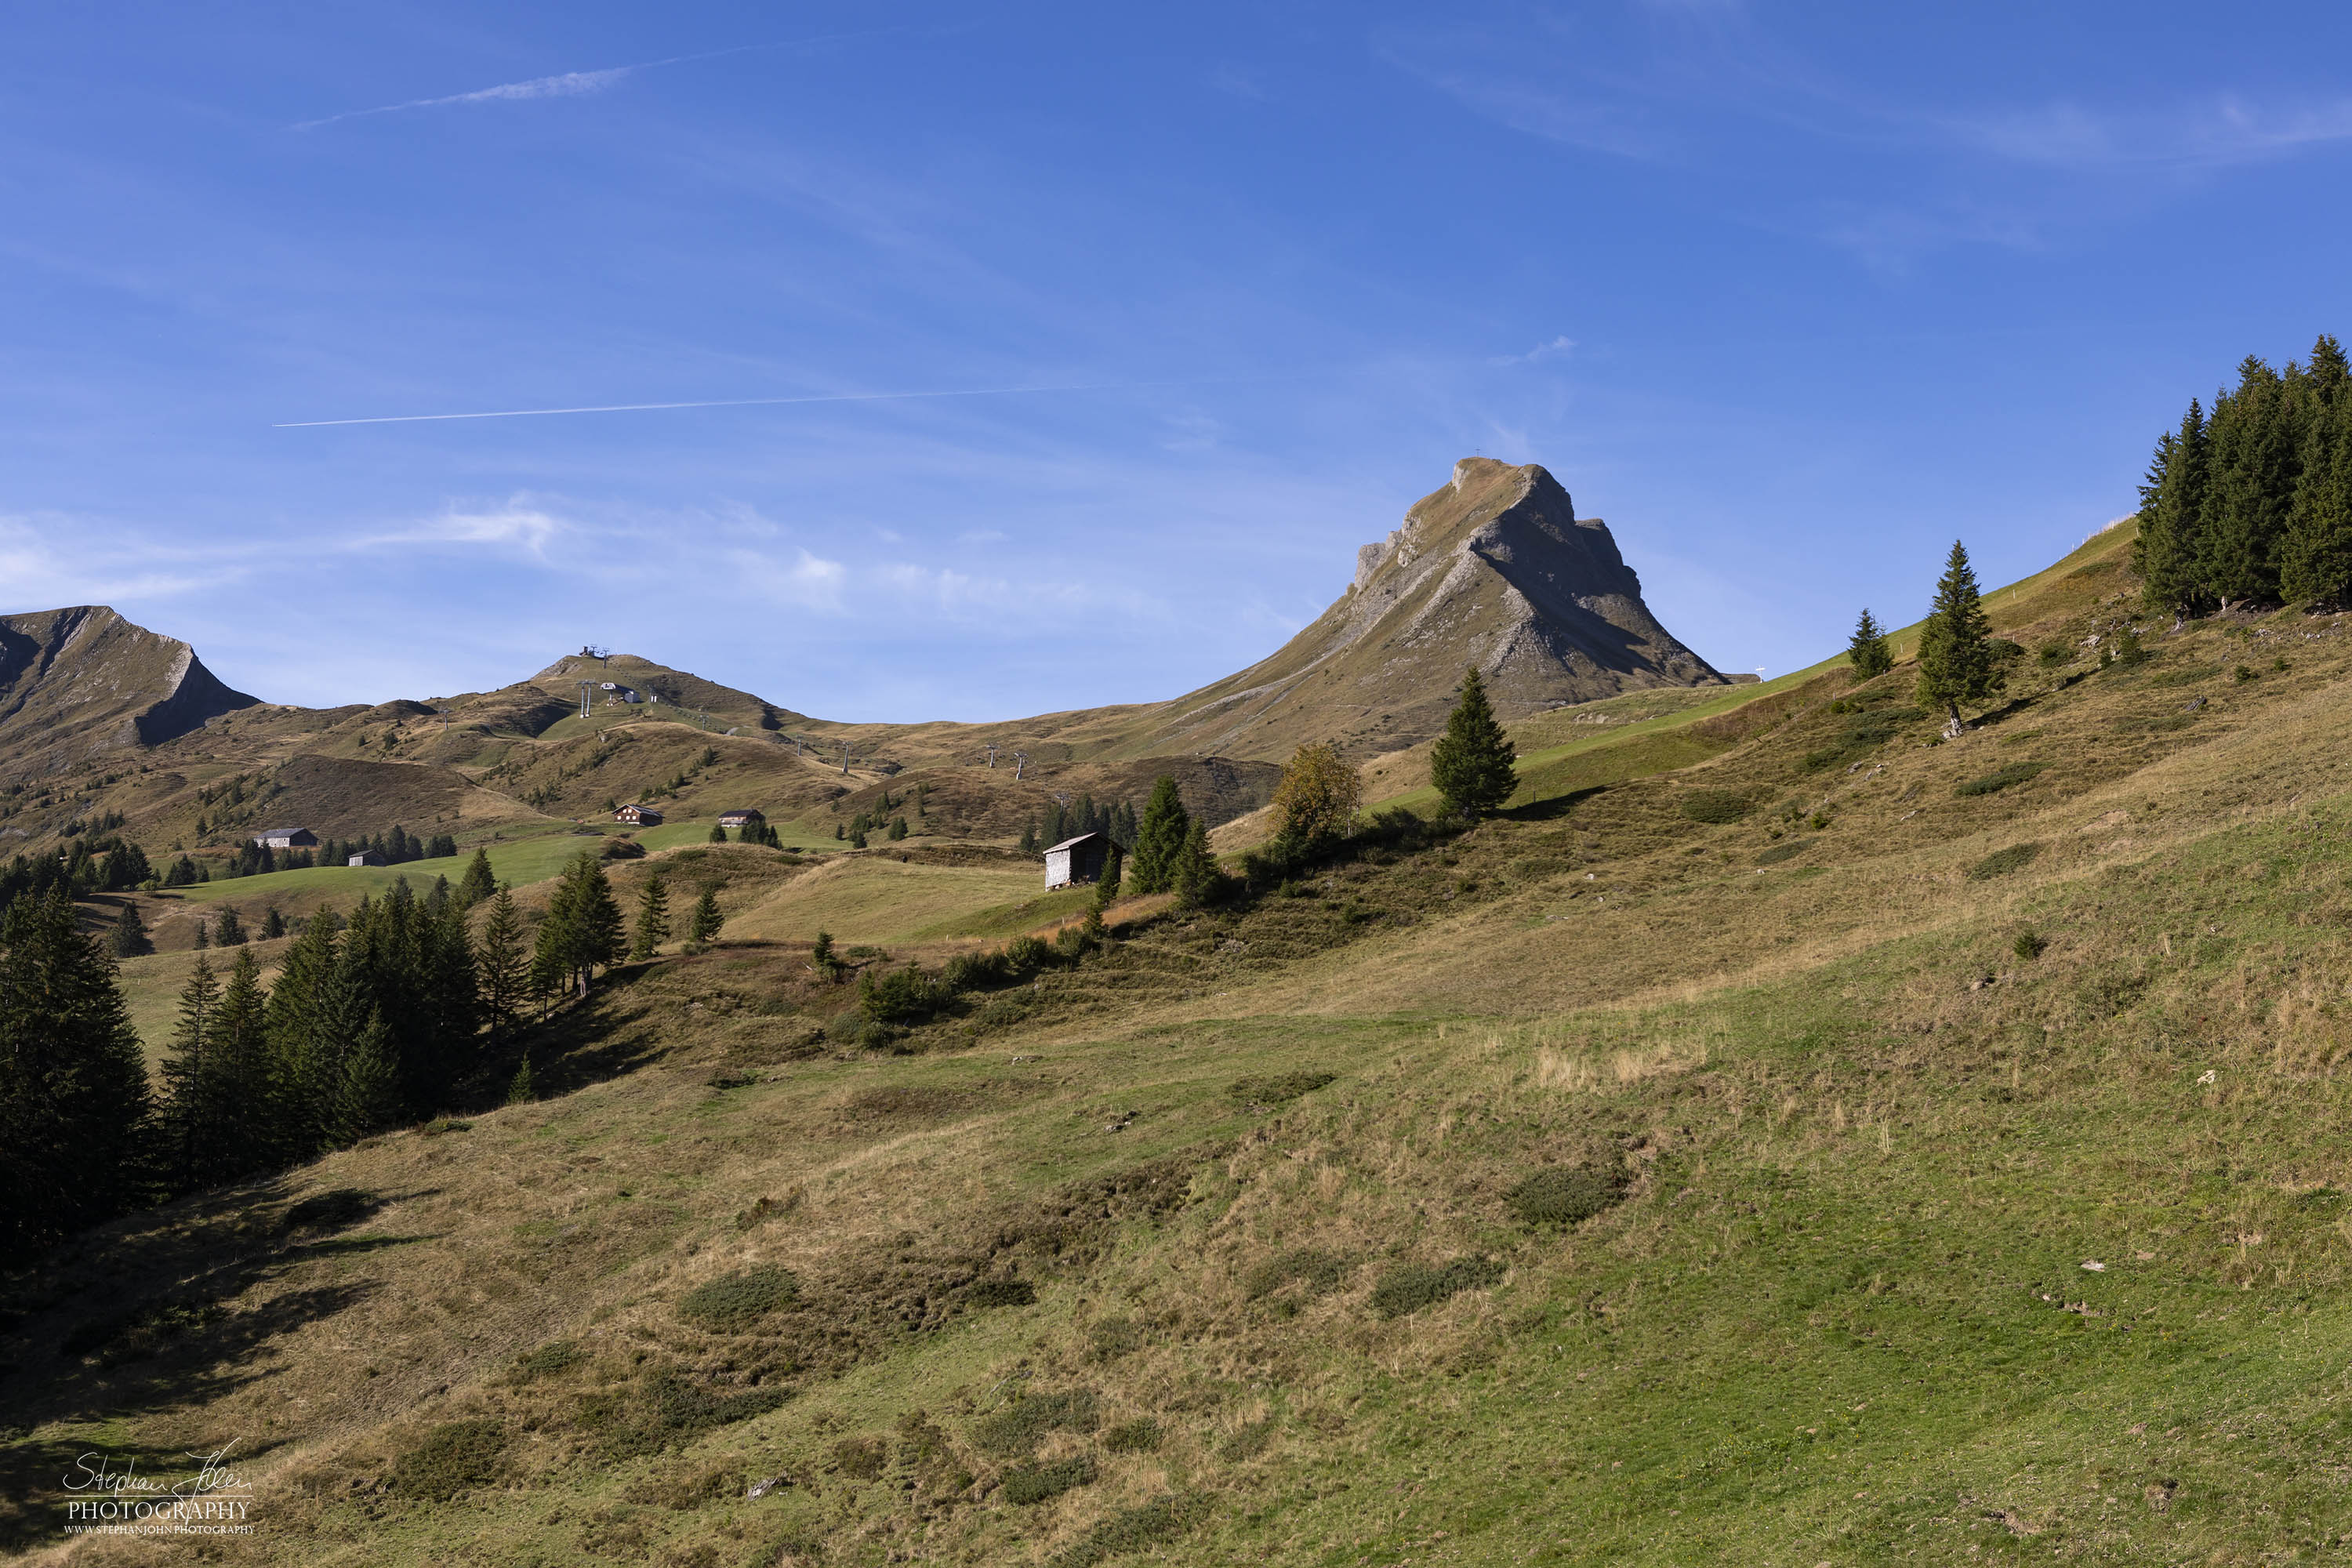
[{"x": 757, "y": 402}]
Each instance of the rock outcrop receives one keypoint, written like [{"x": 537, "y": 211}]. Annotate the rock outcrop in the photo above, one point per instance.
[
  {"x": 1495, "y": 570},
  {"x": 80, "y": 681}
]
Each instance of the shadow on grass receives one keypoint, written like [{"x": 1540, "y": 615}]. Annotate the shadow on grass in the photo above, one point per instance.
[{"x": 1552, "y": 808}]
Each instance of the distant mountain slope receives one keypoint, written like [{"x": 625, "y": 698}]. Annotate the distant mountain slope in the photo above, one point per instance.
[
  {"x": 82, "y": 681},
  {"x": 1494, "y": 570}
]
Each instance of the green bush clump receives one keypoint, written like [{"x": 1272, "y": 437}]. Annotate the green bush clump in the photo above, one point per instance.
[
  {"x": 1565, "y": 1194},
  {"x": 2030, "y": 945},
  {"x": 860, "y": 1458},
  {"x": 1406, "y": 1287},
  {"x": 1317, "y": 1272},
  {"x": 2015, "y": 774},
  {"x": 1279, "y": 1089},
  {"x": 342, "y": 1206},
  {"x": 1716, "y": 806},
  {"x": 1035, "y": 1485},
  {"x": 905, "y": 996},
  {"x": 1134, "y": 1438},
  {"x": 2001, "y": 862},
  {"x": 453, "y": 1457},
  {"x": 667, "y": 1411},
  {"x": 733, "y": 1302},
  {"x": 1133, "y": 1529},
  {"x": 1780, "y": 852},
  {"x": 1019, "y": 1426},
  {"x": 1113, "y": 1337},
  {"x": 1247, "y": 1443},
  {"x": 553, "y": 1357},
  {"x": 1001, "y": 1292}
]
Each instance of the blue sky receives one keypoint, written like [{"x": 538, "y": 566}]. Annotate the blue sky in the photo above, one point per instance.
[{"x": 1792, "y": 296}]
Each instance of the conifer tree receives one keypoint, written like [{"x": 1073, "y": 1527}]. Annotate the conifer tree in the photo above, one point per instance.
[
  {"x": 1107, "y": 885},
  {"x": 478, "y": 882},
  {"x": 204, "y": 934},
  {"x": 130, "y": 939},
  {"x": 519, "y": 1090},
  {"x": 304, "y": 1056},
  {"x": 74, "y": 1100},
  {"x": 238, "y": 1058},
  {"x": 2169, "y": 550},
  {"x": 1866, "y": 650},
  {"x": 190, "y": 1111},
  {"x": 369, "y": 1097},
  {"x": 1956, "y": 654},
  {"x": 702, "y": 928},
  {"x": 719, "y": 833},
  {"x": 228, "y": 930},
  {"x": 1195, "y": 877},
  {"x": 273, "y": 924},
  {"x": 2254, "y": 439},
  {"x": 822, "y": 959},
  {"x": 500, "y": 967},
  {"x": 582, "y": 931},
  {"x": 898, "y": 828},
  {"x": 2315, "y": 561},
  {"x": 1472, "y": 762},
  {"x": 653, "y": 918},
  {"x": 1029, "y": 837},
  {"x": 1159, "y": 837}
]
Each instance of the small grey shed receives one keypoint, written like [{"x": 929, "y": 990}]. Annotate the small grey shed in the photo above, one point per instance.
[{"x": 1078, "y": 859}]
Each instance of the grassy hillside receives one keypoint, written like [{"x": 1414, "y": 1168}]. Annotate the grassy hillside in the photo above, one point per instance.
[{"x": 1848, "y": 1146}]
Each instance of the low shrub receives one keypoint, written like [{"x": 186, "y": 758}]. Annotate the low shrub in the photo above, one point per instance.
[
  {"x": 1021, "y": 1426},
  {"x": 553, "y": 1357},
  {"x": 1134, "y": 1528},
  {"x": 733, "y": 1302},
  {"x": 667, "y": 1411},
  {"x": 1278, "y": 1090},
  {"x": 1564, "y": 1194},
  {"x": 860, "y": 1458},
  {"x": 905, "y": 995},
  {"x": 1247, "y": 1443},
  {"x": 1316, "y": 1272},
  {"x": 1001, "y": 1292},
  {"x": 1716, "y": 806},
  {"x": 1780, "y": 852},
  {"x": 2001, "y": 862},
  {"x": 1113, "y": 1337},
  {"x": 622, "y": 849},
  {"x": 1406, "y": 1287},
  {"x": 2029, "y": 945},
  {"x": 342, "y": 1206},
  {"x": 1993, "y": 783},
  {"x": 1142, "y": 1436},
  {"x": 1027, "y": 1488},
  {"x": 451, "y": 1459}
]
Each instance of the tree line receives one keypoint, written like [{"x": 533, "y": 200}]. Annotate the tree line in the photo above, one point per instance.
[
  {"x": 404, "y": 1009},
  {"x": 2250, "y": 503}
]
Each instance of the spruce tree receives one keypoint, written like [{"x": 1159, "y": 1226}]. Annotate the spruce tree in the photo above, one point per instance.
[
  {"x": 369, "y": 1098},
  {"x": 240, "y": 1061},
  {"x": 477, "y": 883},
  {"x": 2315, "y": 561},
  {"x": 1472, "y": 763},
  {"x": 1029, "y": 837},
  {"x": 519, "y": 1090},
  {"x": 190, "y": 1111},
  {"x": 1195, "y": 879},
  {"x": 2255, "y": 435},
  {"x": 304, "y": 1056},
  {"x": 653, "y": 918},
  {"x": 500, "y": 966},
  {"x": 898, "y": 828},
  {"x": 822, "y": 959},
  {"x": 273, "y": 924},
  {"x": 582, "y": 931},
  {"x": 1866, "y": 650},
  {"x": 204, "y": 934},
  {"x": 702, "y": 928},
  {"x": 2169, "y": 550},
  {"x": 1107, "y": 885},
  {"x": 129, "y": 938},
  {"x": 1956, "y": 654},
  {"x": 1159, "y": 837},
  {"x": 74, "y": 1102},
  {"x": 719, "y": 833},
  {"x": 228, "y": 930}
]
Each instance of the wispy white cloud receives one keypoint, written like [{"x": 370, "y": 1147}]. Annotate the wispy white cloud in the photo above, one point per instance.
[
  {"x": 516, "y": 523},
  {"x": 50, "y": 559},
  {"x": 567, "y": 84},
  {"x": 1557, "y": 348},
  {"x": 796, "y": 577},
  {"x": 2222, "y": 132}
]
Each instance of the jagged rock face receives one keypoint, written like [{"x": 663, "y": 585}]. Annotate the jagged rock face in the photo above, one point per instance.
[
  {"x": 80, "y": 681},
  {"x": 1495, "y": 571}
]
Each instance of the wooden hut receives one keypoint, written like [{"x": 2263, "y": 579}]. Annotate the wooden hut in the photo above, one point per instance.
[
  {"x": 366, "y": 858},
  {"x": 1075, "y": 860},
  {"x": 287, "y": 838},
  {"x": 746, "y": 817},
  {"x": 638, "y": 816}
]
